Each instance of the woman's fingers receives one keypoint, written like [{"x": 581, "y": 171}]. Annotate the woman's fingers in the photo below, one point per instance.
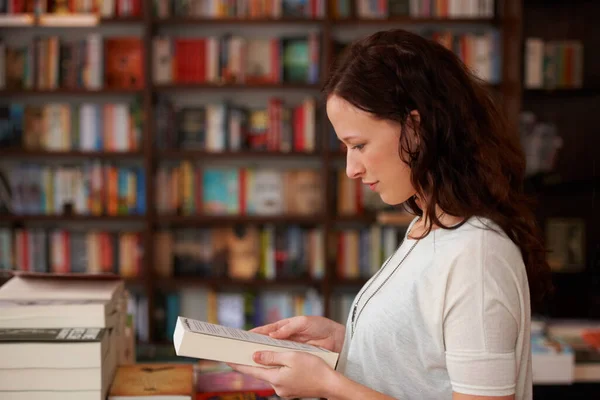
[
  {"x": 269, "y": 328},
  {"x": 290, "y": 328}
]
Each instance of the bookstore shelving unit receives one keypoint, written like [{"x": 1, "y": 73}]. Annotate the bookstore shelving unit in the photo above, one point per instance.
[
  {"x": 507, "y": 20},
  {"x": 570, "y": 191}
]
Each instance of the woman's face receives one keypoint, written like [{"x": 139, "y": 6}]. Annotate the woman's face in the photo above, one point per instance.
[{"x": 373, "y": 147}]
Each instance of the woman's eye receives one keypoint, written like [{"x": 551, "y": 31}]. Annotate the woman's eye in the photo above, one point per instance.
[{"x": 358, "y": 147}]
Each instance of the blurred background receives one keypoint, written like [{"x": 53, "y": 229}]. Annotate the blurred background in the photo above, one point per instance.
[{"x": 182, "y": 145}]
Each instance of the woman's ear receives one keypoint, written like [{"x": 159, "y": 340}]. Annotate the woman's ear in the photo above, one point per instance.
[{"x": 413, "y": 121}]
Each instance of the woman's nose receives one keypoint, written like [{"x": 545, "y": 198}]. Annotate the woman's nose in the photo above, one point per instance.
[{"x": 354, "y": 168}]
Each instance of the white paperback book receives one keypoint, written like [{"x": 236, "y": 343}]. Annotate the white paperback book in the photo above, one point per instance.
[{"x": 199, "y": 339}]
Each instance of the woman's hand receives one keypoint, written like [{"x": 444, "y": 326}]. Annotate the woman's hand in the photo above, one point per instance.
[
  {"x": 318, "y": 331},
  {"x": 296, "y": 374}
]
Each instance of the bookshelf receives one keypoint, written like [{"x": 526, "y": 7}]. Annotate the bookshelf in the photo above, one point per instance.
[
  {"x": 506, "y": 19},
  {"x": 570, "y": 190}
]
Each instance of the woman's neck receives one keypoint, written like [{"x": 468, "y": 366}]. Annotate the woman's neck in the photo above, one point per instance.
[{"x": 420, "y": 227}]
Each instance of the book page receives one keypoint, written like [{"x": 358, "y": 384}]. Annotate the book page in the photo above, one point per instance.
[{"x": 239, "y": 334}]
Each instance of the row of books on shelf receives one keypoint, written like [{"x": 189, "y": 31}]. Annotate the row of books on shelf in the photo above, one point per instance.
[
  {"x": 105, "y": 8},
  {"x": 481, "y": 52},
  {"x": 314, "y": 9},
  {"x": 272, "y": 252},
  {"x": 71, "y": 251},
  {"x": 553, "y": 64},
  {"x": 241, "y": 9},
  {"x": 229, "y": 127},
  {"x": 414, "y": 8},
  {"x": 98, "y": 62},
  {"x": 251, "y": 9},
  {"x": 101, "y": 188},
  {"x": 117, "y": 127},
  {"x": 93, "y": 63},
  {"x": 241, "y": 253},
  {"x": 236, "y": 59},
  {"x": 93, "y": 188},
  {"x": 67, "y": 127},
  {"x": 359, "y": 253},
  {"x": 189, "y": 189}
]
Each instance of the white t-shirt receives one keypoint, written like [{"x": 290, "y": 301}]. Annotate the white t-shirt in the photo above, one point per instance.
[{"x": 455, "y": 316}]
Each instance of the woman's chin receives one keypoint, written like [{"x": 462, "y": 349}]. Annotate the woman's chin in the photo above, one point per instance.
[
  {"x": 393, "y": 199},
  {"x": 389, "y": 200}
]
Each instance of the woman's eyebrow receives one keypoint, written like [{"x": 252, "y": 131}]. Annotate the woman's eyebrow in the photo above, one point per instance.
[{"x": 348, "y": 138}]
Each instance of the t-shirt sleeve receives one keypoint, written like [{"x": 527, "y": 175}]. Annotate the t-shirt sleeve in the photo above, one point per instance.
[{"x": 482, "y": 318}]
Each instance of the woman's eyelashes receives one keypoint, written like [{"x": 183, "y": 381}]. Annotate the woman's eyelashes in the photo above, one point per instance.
[{"x": 346, "y": 147}]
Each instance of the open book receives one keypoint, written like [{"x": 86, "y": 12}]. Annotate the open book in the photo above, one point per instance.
[{"x": 198, "y": 339}]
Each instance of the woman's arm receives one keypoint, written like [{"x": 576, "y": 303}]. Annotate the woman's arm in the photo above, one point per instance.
[{"x": 299, "y": 374}]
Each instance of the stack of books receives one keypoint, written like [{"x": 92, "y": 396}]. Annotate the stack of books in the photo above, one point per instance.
[
  {"x": 62, "y": 337},
  {"x": 565, "y": 351}
]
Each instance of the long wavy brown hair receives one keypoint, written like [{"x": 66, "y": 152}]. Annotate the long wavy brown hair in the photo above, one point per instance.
[{"x": 468, "y": 161}]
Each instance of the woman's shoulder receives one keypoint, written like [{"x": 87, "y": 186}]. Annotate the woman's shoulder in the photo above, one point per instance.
[
  {"x": 478, "y": 239},
  {"x": 489, "y": 234},
  {"x": 481, "y": 254},
  {"x": 473, "y": 230},
  {"x": 480, "y": 245}
]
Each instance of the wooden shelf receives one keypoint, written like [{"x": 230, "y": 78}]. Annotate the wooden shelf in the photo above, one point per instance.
[
  {"x": 133, "y": 281},
  {"x": 177, "y": 21},
  {"x": 201, "y": 154},
  {"x": 80, "y": 20},
  {"x": 69, "y": 92},
  {"x": 562, "y": 92},
  {"x": 16, "y": 20},
  {"x": 304, "y": 21},
  {"x": 413, "y": 21},
  {"x": 388, "y": 218},
  {"x": 21, "y": 153},
  {"x": 121, "y": 20},
  {"x": 70, "y": 218},
  {"x": 183, "y": 281},
  {"x": 554, "y": 184},
  {"x": 238, "y": 86},
  {"x": 49, "y": 20},
  {"x": 357, "y": 218},
  {"x": 342, "y": 282},
  {"x": 195, "y": 220}
]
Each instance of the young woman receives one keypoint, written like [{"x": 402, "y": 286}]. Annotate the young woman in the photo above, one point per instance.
[{"x": 448, "y": 314}]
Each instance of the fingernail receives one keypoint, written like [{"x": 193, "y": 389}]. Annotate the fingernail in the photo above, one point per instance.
[{"x": 258, "y": 356}]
